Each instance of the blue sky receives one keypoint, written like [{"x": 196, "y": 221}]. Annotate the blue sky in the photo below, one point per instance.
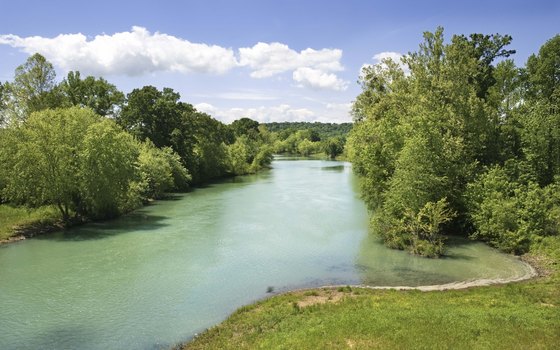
[{"x": 268, "y": 60}]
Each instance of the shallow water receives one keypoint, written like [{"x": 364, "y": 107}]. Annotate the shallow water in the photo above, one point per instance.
[{"x": 174, "y": 268}]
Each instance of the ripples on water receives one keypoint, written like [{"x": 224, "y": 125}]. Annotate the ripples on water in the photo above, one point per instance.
[{"x": 157, "y": 276}]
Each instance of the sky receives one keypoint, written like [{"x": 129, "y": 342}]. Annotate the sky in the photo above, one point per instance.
[{"x": 269, "y": 60}]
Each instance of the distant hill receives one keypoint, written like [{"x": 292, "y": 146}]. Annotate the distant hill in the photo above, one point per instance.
[{"x": 325, "y": 130}]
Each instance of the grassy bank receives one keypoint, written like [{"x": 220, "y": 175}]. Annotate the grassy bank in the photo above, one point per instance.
[
  {"x": 16, "y": 221},
  {"x": 519, "y": 315}
]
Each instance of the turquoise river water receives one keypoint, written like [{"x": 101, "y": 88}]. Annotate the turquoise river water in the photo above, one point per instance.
[{"x": 163, "y": 273}]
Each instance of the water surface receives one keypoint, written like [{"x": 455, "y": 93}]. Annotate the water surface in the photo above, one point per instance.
[{"x": 174, "y": 268}]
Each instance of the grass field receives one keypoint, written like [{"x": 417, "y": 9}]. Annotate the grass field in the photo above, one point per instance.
[
  {"x": 523, "y": 315},
  {"x": 13, "y": 219}
]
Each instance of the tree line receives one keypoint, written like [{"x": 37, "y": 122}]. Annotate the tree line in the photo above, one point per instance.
[
  {"x": 456, "y": 139},
  {"x": 86, "y": 148},
  {"x": 306, "y": 138}
]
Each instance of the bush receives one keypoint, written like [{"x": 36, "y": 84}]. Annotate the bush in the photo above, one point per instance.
[{"x": 509, "y": 215}]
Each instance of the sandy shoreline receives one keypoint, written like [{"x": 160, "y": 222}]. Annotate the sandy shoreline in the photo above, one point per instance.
[{"x": 531, "y": 273}]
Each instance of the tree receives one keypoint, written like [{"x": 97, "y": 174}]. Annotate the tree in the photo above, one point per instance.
[
  {"x": 107, "y": 160},
  {"x": 419, "y": 138},
  {"x": 32, "y": 87},
  {"x": 153, "y": 114},
  {"x": 245, "y": 126},
  {"x": 103, "y": 98},
  {"x": 155, "y": 172},
  {"x": 70, "y": 158},
  {"x": 3, "y": 104},
  {"x": 543, "y": 71},
  {"x": 334, "y": 147}
]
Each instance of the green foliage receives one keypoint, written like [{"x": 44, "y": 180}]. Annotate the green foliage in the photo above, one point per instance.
[
  {"x": 304, "y": 142},
  {"x": 3, "y": 104},
  {"x": 240, "y": 155},
  {"x": 155, "y": 172},
  {"x": 510, "y": 215},
  {"x": 323, "y": 130},
  {"x": 248, "y": 155},
  {"x": 32, "y": 88},
  {"x": 539, "y": 130},
  {"x": 543, "y": 71},
  {"x": 70, "y": 158},
  {"x": 333, "y": 147},
  {"x": 245, "y": 126},
  {"x": 424, "y": 136},
  {"x": 103, "y": 98},
  {"x": 106, "y": 157},
  {"x": 153, "y": 114}
]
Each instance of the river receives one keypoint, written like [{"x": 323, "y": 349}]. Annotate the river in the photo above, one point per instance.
[{"x": 171, "y": 269}]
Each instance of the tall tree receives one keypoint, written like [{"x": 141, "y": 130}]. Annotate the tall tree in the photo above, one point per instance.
[
  {"x": 98, "y": 94},
  {"x": 543, "y": 71},
  {"x": 70, "y": 158},
  {"x": 32, "y": 87},
  {"x": 418, "y": 138}
]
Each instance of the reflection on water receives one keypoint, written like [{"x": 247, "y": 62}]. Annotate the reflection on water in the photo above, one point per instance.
[{"x": 157, "y": 276}]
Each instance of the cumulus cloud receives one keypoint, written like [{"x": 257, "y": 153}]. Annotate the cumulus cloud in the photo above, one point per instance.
[
  {"x": 317, "y": 79},
  {"x": 331, "y": 113},
  {"x": 206, "y": 108},
  {"x": 132, "y": 53},
  {"x": 267, "y": 60},
  {"x": 140, "y": 51},
  {"x": 395, "y": 56},
  {"x": 309, "y": 67},
  {"x": 262, "y": 114},
  {"x": 380, "y": 57},
  {"x": 245, "y": 95}
]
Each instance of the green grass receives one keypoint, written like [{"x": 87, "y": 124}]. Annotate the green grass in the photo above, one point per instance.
[
  {"x": 523, "y": 315},
  {"x": 14, "y": 219}
]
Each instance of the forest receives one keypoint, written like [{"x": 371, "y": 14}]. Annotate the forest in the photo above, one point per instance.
[
  {"x": 457, "y": 140},
  {"x": 91, "y": 152},
  {"x": 85, "y": 148}
]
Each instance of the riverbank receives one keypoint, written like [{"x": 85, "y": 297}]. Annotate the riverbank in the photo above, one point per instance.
[
  {"x": 19, "y": 223},
  {"x": 518, "y": 315}
]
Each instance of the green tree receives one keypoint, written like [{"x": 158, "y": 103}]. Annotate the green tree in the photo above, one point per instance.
[
  {"x": 334, "y": 147},
  {"x": 32, "y": 88},
  {"x": 107, "y": 165},
  {"x": 3, "y": 104},
  {"x": 419, "y": 138},
  {"x": 153, "y": 114},
  {"x": 155, "y": 172},
  {"x": 509, "y": 214},
  {"x": 99, "y": 95},
  {"x": 543, "y": 71},
  {"x": 245, "y": 126},
  {"x": 70, "y": 158}
]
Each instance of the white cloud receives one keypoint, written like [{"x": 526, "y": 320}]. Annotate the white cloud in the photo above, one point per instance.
[
  {"x": 318, "y": 79},
  {"x": 395, "y": 56},
  {"x": 267, "y": 60},
  {"x": 263, "y": 114},
  {"x": 333, "y": 113},
  {"x": 206, "y": 108},
  {"x": 244, "y": 95},
  {"x": 380, "y": 57},
  {"x": 344, "y": 107},
  {"x": 139, "y": 51},
  {"x": 309, "y": 67},
  {"x": 132, "y": 53}
]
